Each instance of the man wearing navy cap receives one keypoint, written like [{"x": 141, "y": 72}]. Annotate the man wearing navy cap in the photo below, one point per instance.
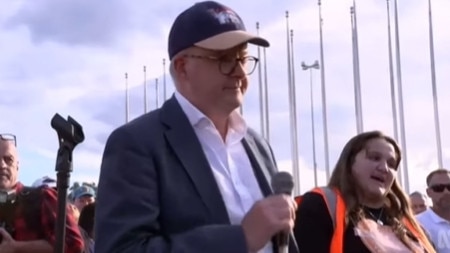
[
  {"x": 191, "y": 176},
  {"x": 83, "y": 196}
]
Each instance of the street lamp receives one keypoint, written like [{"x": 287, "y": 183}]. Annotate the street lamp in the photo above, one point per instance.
[{"x": 315, "y": 65}]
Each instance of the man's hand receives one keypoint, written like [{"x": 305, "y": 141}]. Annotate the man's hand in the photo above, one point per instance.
[
  {"x": 266, "y": 218},
  {"x": 8, "y": 244}
]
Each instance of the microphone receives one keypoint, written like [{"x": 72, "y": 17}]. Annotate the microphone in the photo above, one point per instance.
[{"x": 282, "y": 183}]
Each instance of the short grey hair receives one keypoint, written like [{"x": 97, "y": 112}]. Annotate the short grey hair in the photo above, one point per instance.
[
  {"x": 419, "y": 194},
  {"x": 172, "y": 71}
]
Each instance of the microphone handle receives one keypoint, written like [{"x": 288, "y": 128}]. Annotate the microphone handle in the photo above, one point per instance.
[{"x": 282, "y": 241}]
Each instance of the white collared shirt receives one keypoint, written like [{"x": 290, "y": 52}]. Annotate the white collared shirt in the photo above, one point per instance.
[
  {"x": 438, "y": 229},
  {"x": 229, "y": 162}
]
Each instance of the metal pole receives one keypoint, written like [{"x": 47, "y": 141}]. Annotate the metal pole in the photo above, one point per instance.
[
  {"x": 266, "y": 97},
  {"x": 324, "y": 98},
  {"x": 294, "y": 107},
  {"x": 156, "y": 93},
  {"x": 145, "y": 90},
  {"x": 392, "y": 82},
  {"x": 356, "y": 73},
  {"x": 433, "y": 83},
  {"x": 313, "y": 132},
  {"x": 126, "y": 99},
  {"x": 292, "y": 112},
  {"x": 164, "y": 80},
  {"x": 260, "y": 85},
  {"x": 400, "y": 101}
]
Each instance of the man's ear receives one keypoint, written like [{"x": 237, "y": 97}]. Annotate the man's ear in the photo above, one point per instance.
[{"x": 179, "y": 67}]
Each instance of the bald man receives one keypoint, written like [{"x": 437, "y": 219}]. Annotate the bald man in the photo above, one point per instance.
[
  {"x": 28, "y": 215},
  {"x": 418, "y": 202}
]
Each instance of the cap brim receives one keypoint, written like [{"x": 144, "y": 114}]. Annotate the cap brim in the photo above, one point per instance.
[
  {"x": 231, "y": 39},
  {"x": 84, "y": 195}
]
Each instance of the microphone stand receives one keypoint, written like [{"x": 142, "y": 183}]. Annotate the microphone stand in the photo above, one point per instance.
[{"x": 70, "y": 134}]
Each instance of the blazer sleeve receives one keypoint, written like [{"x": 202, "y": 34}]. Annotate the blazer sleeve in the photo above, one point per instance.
[
  {"x": 127, "y": 210},
  {"x": 313, "y": 228}
]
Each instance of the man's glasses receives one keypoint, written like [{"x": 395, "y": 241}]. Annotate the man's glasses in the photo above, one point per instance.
[
  {"x": 9, "y": 137},
  {"x": 228, "y": 65},
  {"x": 440, "y": 187}
]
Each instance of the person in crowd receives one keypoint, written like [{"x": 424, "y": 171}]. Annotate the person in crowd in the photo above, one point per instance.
[
  {"x": 74, "y": 211},
  {"x": 51, "y": 183},
  {"x": 436, "y": 219},
  {"x": 45, "y": 181},
  {"x": 86, "y": 223},
  {"x": 28, "y": 214},
  {"x": 363, "y": 208},
  {"x": 83, "y": 196},
  {"x": 192, "y": 176},
  {"x": 419, "y": 202}
]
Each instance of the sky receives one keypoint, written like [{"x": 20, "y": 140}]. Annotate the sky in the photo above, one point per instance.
[{"x": 70, "y": 57}]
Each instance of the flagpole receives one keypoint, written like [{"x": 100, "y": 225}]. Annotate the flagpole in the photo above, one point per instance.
[
  {"x": 164, "y": 80},
  {"x": 266, "y": 96},
  {"x": 145, "y": 89},
  {"x": 315, "y": 65},
  {"x": 324, "y": 97},
  {"x": 260, "y": 84},
  {"x": 292, "y": 112},
  {"x": 126, "y": 98},
  {"x": 356, "y": 74},
  {"x": 156, "y": 93},
  {"x": 392, "y": 82},
  {"x": 294, "y": 106},
  {"x": 433, "y": 83},
  {"x": 400, "y": 101},
  {"x": 313, "y": 127}
]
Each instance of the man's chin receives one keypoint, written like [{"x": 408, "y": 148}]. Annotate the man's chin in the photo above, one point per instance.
[{"x": 5, "y": 185}]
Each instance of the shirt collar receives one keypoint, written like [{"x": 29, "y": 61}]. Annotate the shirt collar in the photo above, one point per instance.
[
  {"x": 435, "y": 218},
  {"x": 237, "y": 124},
  {"x": 193, "y": 114}
]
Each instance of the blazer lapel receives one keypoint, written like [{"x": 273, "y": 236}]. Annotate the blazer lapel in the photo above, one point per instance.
[
  {"x": 187, "y": 148},
  {"x": 264, "y": 175},
  {"x": 262, "y": 172}
]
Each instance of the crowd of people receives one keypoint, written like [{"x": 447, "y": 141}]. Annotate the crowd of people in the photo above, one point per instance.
[
  {"x": 192, "y": 177},
  {"x": 28, "y": 214}
]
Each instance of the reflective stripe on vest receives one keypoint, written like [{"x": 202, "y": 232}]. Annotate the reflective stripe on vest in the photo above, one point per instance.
[{"x": 336, "y": 207}]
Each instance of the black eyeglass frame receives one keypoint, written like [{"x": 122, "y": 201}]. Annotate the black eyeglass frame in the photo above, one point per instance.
[{"x": 222, "y": 60}]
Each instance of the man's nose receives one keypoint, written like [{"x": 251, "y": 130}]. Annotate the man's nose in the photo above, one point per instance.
[{"x": 3, "y": 164}]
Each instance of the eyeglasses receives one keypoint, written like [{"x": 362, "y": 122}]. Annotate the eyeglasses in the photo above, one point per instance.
[
  {"x": 228, "y": 65},
  {"x": 440, "y": 187},
  {"x": 9, "y": 137}
]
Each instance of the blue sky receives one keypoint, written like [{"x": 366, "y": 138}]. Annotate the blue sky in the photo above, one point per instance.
[{"x": 70, "y": 57}]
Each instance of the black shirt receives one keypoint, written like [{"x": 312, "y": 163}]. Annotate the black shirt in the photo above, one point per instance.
[{"x": 314, "y": 229}]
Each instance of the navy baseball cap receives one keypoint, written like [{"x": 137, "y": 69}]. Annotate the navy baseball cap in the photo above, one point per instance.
[{"x": 209, "y": 25}]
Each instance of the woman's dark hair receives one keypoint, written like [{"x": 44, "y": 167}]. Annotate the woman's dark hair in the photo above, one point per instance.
[{"x": 86, "y": 220}]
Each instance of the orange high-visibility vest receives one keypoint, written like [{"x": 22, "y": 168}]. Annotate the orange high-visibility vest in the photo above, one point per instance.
[{"x": 336, "y": 208}]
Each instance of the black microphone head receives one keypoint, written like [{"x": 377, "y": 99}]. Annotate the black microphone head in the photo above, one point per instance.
[{"x": 282, "y": 183}]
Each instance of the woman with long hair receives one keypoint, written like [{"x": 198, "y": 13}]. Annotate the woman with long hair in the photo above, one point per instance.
[{"x": 368, "y": 211}]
